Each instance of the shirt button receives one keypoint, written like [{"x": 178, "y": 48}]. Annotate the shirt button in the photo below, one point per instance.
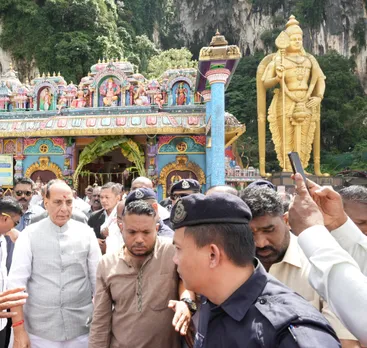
[{"x": 262, "y": 301}]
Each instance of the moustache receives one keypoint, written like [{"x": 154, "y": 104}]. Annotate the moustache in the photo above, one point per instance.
[
  {"x": 97, "y": 201},
  {"x": 268, "y": 247},
  {"x": 23, "y": 200}
]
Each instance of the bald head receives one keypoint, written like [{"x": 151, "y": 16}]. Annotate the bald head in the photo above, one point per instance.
[
  {"x": 140, "y": 182},
  {"x": 222, "y": 189}
]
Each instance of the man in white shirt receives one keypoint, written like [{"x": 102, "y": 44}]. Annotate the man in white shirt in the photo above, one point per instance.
[
  {"x": 10, "y": 214},
  {"x": 280, "y": 254},
  {"x": 56, "y": 260},
  {"x": 335, "y": 275}
]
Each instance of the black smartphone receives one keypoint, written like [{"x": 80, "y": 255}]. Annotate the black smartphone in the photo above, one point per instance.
[{"x": 297, "y": 165}]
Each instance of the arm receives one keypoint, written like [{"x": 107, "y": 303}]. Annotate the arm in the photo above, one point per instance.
[
  {"x": 100, "y": 333},
  {"x": 94, "y": 257},
  {"x": 351, "y": 239},
  {"x": 20, "y": 272},
  {"x": 271, "y": 77},
  {"x": 334, "y": 274}
]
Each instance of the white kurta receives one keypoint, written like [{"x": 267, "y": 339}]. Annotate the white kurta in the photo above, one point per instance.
[
  {"x": 57, "y": 265},
  {"x": 336, "y": 276}
]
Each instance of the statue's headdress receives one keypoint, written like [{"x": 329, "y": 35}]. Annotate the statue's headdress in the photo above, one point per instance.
[{"x": 292, "y": 26}]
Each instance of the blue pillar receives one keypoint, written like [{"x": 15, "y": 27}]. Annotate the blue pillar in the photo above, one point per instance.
[
  {"x": 208, "y": 151},
  {"x": 217, "y": 79}
]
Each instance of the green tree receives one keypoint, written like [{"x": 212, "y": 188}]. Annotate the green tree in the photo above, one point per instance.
[{"x": 170, "y": 59}]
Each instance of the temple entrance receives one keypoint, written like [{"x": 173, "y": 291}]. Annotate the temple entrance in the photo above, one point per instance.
[
  {"x": 41, "y": 177},
  {"x": 110, "y": 167}
]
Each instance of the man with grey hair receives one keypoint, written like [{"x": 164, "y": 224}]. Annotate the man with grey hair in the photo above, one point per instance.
[
  {"x": 355, "y": 205},
  {"x": 56, "y": 261},
  {"x": 222, "y": 189}
]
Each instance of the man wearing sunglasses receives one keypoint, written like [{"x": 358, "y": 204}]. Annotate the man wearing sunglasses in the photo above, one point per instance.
[
  {"x": 183, "y": 188},
  {"x": 22, "y": 192}
]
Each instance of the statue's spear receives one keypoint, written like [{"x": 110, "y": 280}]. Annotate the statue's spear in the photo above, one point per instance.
[{"x": 282, "y": 42}]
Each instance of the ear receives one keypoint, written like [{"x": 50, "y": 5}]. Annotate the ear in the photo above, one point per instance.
[
  {"x": 285, "y": 218},
  {"x": 155, "y": 207},
  {"x": 45, "y": 202},
  {"x": 157, "y": 227},
  {"x": 215, "y": 256}
]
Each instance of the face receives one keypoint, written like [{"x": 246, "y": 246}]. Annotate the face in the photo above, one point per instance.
[
  {"x": 88, "y": 193},
  {"x": 8, "y": 221},
  {"x": 358, "y": 214},
  {"x": 96, "y": 200},
  {"x": 296, "y": 43},
  {"x": 192, "y": 262},
  {"x": 139, "y": 233},
  {"x": 178, "y": 194},
  {"x": 23, "y": 194},
  {"x": 109, "y": 199},
  {"x": 271, "y": 236},
  {"x": 60, "y": 204}
]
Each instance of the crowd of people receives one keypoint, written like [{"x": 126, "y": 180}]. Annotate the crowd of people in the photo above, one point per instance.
[{"x": 223, "y": 269}]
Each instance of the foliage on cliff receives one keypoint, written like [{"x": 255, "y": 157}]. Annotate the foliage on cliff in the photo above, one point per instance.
[{"x": 71, "y": 35}]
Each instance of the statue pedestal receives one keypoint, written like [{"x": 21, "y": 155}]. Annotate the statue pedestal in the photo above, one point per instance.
[{"x": 284, "y": 179}]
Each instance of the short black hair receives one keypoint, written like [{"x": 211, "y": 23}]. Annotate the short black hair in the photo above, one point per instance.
[
  {"x": 235, "y": 239},
  {"x": 354, "y": 193},
  {"x": 139, "y": 208},
  {"x": 52, "y": 182},
  {"x": 115, "y": 188},
  {"x": 24, "y": 181},
  {"x": 262, "y": 200},
  {"x": 10, "y": 205},
  {"x": 223, "y": 189}
]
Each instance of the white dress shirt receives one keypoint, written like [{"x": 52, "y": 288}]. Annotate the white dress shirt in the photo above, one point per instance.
[
  {"x": 3, "y": 274},
  {"x": 336, "y": 276}
]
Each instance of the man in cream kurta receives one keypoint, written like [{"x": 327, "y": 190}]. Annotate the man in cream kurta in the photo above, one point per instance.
[
  {"x": 56, "y": 260},
  {"x": 282, "y": 257}
]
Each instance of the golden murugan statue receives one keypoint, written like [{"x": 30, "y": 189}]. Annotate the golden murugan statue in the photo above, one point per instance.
[{"x": 294, "y": 113}]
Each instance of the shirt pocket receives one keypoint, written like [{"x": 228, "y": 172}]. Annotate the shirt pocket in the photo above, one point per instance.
[{"x": 162, "y": 288}]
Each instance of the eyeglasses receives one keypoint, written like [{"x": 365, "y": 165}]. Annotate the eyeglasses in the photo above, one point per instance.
[
  {"x": 96, "y": 196},
  {"x": 174, "y": 196},
  {"x": 25, "y": 193},
  {"x": 14, "y": 222}
]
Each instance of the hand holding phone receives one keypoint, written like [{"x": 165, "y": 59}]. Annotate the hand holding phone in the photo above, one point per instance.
[{"x": 297, "y": 165}]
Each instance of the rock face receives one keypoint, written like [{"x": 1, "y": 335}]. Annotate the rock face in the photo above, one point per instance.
[{"x": 244, "y": 21}]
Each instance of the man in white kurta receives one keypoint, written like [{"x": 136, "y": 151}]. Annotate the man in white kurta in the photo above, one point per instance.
[
  {"x": 338, "y": 270},
  {"x": 56, "y": 260}
]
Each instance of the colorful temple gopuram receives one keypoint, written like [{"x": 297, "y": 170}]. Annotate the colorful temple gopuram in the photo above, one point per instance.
[{"x": 116, "y": 124}]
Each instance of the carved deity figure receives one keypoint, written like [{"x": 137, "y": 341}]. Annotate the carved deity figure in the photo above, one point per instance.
[
  {"x": 294, "y": 113},
  {"x": 46, "y": 98},
  {"x": 79, "y": 101},
  {"x": 181, "y": 94},
  {"x": 140, "y": 97},
  {"x": 62, "y": 102},
  {"x": 110, "y": 90}
]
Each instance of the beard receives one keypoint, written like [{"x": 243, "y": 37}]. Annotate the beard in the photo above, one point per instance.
[{"x": 134, "y": 252}]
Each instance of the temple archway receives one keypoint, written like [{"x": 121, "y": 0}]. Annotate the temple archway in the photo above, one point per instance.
[
  {"x": 181, "y": 169},
  {"x": 42, "y": 165}
]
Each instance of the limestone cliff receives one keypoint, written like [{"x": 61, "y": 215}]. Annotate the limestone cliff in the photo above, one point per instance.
[{"x": 341, "y": 25}]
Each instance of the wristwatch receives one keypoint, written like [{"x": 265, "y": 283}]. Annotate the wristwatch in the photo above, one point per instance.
[{"x": 190, "y": 304}]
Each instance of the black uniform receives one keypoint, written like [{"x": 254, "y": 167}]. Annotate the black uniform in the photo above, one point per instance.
[{"x": 264, "y": 313}]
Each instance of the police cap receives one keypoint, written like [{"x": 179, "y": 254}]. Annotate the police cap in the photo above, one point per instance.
[
  {"x": 186, "y": 185},
  {"x": 197, "y": 209},
  {"x": 140, "y": 194}
]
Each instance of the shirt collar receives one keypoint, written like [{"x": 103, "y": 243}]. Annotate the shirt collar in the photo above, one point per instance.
[
  {"x": 237, "y": 305},
  {"x": 61, "y": 229},
  {"x": 292, "y": 255}
]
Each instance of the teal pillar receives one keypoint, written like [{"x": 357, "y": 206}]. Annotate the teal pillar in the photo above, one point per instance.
[
  {"x": 217, "y": 79},
  {"x": 208, "y": 151}
]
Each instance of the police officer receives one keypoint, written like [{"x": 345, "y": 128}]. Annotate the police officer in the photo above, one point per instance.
[
  {"x": 242, "y": 305},
  {"x": 183, "y": 188}
]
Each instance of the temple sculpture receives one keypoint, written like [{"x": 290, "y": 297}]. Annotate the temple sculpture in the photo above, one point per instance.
[{"x": 294, "y": 112}]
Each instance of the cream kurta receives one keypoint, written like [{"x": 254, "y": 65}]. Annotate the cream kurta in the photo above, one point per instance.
[
  {"x": 293, "y": 271},
  {"x": 130, "y": 306}
]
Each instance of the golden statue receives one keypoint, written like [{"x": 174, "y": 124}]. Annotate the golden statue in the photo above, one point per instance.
[{"x": 294, "y": 113}]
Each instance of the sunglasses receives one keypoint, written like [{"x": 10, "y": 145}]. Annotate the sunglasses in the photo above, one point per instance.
[
  {"x": 177, "y": 196},
  {"x": 9, "y": 216},
  {"x": 25, "y": 193}
]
